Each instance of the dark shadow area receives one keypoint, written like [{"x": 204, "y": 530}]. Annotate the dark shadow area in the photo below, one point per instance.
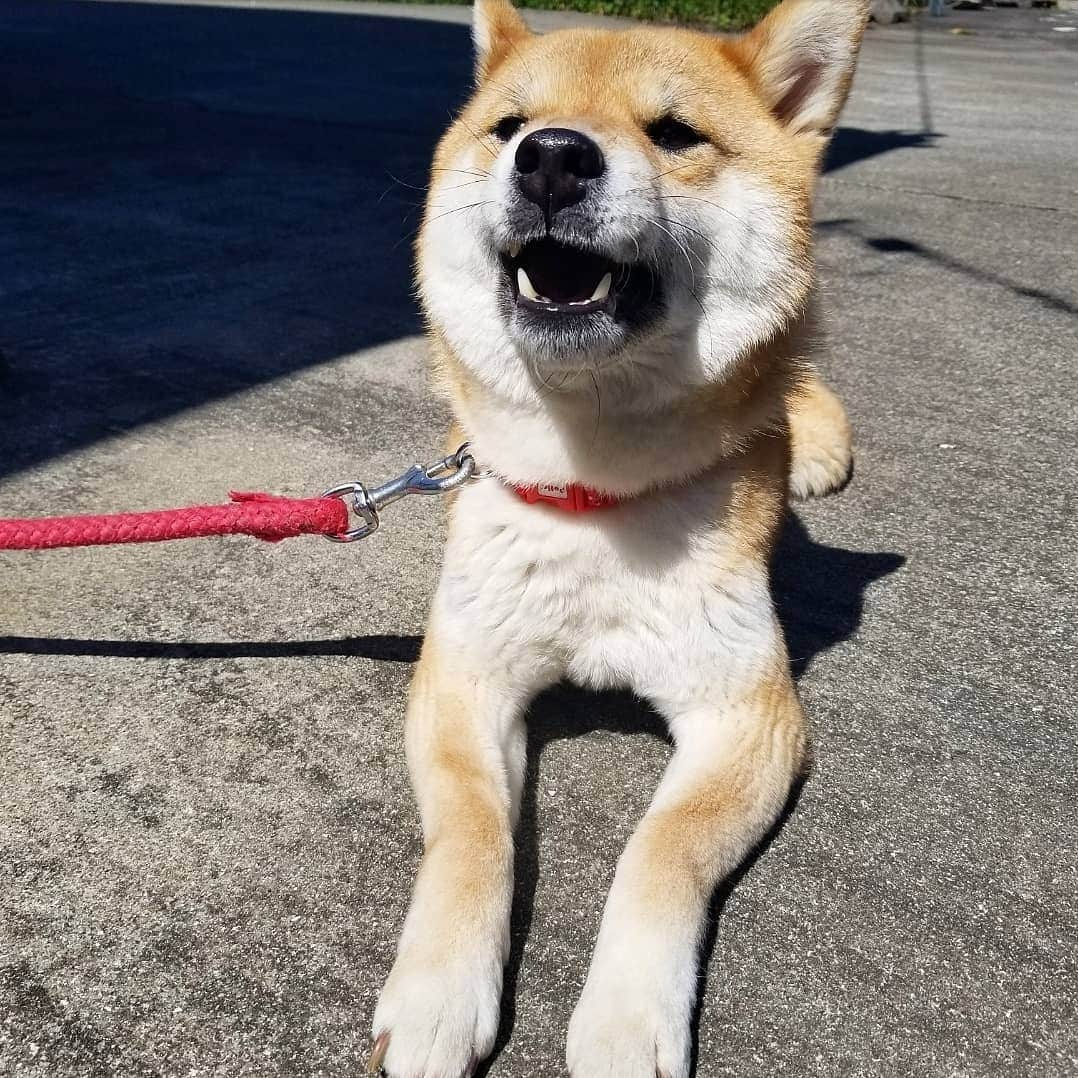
[
  {"x": 852, "y": 144},
  {"x": 820, "y": 591},
  {"x": 562, "y": 713},
  {"x": 898, "y": 245},
  {"x": 890, "y": 245},
  {"x": 383, "y": 648},
  {"x": 195, "y": 200}
]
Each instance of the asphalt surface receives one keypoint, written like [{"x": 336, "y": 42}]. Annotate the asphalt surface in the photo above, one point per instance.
[{"x": 206, "y": 832}]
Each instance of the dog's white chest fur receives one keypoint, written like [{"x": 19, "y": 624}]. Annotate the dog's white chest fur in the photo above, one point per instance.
[{"x": 650, "y": 595}]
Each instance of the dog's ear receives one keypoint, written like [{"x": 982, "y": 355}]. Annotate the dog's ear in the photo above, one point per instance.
[
  {"x": 801, "y": 59},
  {"x": 497, "y": 29}
]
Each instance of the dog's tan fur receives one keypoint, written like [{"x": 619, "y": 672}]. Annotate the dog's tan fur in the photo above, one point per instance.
[{"x": 766, "y": 427}]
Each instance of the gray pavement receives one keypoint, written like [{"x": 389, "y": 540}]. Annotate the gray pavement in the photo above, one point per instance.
[{"x": 206, "y": 832}]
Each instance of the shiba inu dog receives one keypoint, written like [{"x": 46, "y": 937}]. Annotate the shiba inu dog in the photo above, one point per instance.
[{"x": 616, "y": 267}]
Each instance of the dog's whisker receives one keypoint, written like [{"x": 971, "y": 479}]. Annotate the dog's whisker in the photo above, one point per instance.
[
  {"x": 458, "y": 209},
  {"x": 678, "y": 245},
  {"x": 709, "y": 244},
  {"x": 438, "y": 216},
  {"x": 397, "y": 181},
  {"x": 598, "y": 409},
  {"x": 465, "y": 171},
  {"x": 716, "y": 205},
  {"x": 488, "y": 146},
  {"x": 658, "y": 176},
  {"x": 520, "y": 57},
  {"x": 547, "y": 385},
  {"x": 466, "y": 183},
  {"x": 707, "y": 322}
]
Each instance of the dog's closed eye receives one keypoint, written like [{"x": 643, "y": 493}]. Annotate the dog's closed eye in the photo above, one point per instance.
[
  {"x": 673, "y": 135},
  {"x": 507, "y": 127}
]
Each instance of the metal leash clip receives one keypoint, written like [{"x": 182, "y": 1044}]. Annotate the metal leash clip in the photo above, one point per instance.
[{"x": 445, "y": 475}]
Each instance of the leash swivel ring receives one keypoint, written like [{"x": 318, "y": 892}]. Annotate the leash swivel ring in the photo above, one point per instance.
[{"x": 443, "y": 476}]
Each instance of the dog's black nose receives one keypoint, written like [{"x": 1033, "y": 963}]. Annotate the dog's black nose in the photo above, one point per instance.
[{"x": 554, "y": 166}]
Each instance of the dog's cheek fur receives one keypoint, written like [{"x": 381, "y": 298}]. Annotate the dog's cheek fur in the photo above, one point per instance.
[
  {"x": 743, "y": 266},
  {"x": 459, "y": 278}
]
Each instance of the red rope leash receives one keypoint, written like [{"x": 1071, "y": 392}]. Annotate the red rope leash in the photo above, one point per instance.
[{"x": 264, "y": 516}]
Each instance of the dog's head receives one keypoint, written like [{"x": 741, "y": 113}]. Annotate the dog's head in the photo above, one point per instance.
[{"x": 635, "y": 203}]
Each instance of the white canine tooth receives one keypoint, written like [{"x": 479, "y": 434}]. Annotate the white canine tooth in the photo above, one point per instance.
[
  {"x": 602, "y": 289},
  {"x": 514, "y": 250},
  {"x": 527, "y": 288}
]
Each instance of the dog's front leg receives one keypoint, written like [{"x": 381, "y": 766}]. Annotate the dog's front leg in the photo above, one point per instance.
[
  {"x": 726, "y": 784},
  {"x": 438, "y": 1013}
]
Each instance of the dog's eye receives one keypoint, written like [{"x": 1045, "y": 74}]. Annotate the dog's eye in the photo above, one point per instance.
[
  {"x": 672, "y": 135},
  {"x": 507, "y": 127}
]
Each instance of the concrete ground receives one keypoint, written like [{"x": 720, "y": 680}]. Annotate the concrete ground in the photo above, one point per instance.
[{"x": 206, "y": 831}]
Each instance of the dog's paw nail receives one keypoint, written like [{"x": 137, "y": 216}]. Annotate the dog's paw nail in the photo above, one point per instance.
[{"x": 378, "y": 1052}]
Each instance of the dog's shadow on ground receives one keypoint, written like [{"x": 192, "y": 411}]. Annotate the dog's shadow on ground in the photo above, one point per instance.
[{"x": 819, "y": 592}]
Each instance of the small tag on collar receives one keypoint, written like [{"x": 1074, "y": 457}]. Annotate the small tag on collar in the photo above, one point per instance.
[{"x": 569, "y": 497}]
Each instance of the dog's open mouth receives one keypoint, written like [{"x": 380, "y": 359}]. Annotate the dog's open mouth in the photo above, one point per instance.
[
  {"x": 565, "y": 300},
  {"x": 557, "y": 278}
]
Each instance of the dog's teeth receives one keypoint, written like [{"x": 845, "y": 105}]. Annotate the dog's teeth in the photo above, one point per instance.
[
  {"x": 514, "y": 250},
  {"x": 527, "y": 288},
  {"x": 602, "y": 289}
]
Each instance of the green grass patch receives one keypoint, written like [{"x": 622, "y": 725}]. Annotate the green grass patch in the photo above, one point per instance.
[
  {"x": 717, "y": 14},
  {"x": 721, "y": 14}
]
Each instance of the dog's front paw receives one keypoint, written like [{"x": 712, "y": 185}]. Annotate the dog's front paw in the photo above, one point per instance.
[
  {"x": 820, "y": 469},
  {"x": 622, "y": 1029},
  {"x": 821, "y": 441},
  {"x": 436, "y": 1019}
]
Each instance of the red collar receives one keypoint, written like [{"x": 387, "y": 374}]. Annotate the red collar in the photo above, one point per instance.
[{"x": 569, "y": 497}]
